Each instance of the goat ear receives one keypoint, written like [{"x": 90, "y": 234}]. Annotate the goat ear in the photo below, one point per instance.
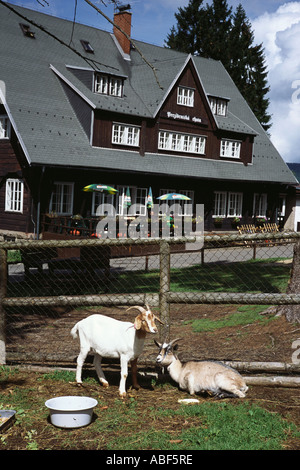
[
  {"x": 138, "y": 322},
  {"x": 175, "y": 347},
  {"x": 159, "y": 345}
]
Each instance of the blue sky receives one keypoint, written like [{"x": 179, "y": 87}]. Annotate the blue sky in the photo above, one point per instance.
[{"x": 275, "y": 23}]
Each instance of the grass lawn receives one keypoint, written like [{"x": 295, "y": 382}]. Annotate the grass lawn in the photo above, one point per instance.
[
  {"x": 244, "y": 315},
  {"x": 151, "y": 419},
  {"x": 250, "y": 276}
]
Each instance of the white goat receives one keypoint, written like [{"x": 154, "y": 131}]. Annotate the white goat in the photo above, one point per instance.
[
  {"x": 201, "y": 376},
  {"x": 108, "y": 337}
]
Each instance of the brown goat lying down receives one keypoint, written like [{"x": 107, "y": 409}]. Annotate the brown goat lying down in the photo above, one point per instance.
[{"x": 201, "y": 376}]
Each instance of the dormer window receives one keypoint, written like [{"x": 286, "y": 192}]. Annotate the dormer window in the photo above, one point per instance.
[
  {"x": 108, "y": 85},
  {"x": 4, "y": 127},
  {"x": 86, "y": 46},
  {"x": 230, "y": 148},
  {"x": 185, "y": 96},
  {"x": 124, "y": 134},
  {"x": 218, "y": 106},
  {"x": 26, "y": 30}
]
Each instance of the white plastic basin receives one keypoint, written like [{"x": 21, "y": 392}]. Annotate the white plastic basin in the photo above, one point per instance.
[{"x": 71, "y": 411}]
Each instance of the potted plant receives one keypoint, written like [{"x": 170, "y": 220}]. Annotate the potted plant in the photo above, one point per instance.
[
  {"x": 236, "y": 221},
  {"x": 261, "y": 220},
  {"x": 218, "y": 221}
]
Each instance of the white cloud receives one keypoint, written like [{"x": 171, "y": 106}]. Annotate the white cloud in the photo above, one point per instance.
[
  {"x": 269, "y": 25},
  {"x": 280, "y": 34}
]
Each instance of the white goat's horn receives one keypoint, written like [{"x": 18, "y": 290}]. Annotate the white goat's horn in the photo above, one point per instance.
[{"x": 138, "y": 307}]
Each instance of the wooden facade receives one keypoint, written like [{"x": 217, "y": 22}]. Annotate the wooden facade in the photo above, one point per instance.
[
  {"x": 12, "y": 166},
  {"x": 95, "y": 116},
  {"x": 204, "y": 125}
]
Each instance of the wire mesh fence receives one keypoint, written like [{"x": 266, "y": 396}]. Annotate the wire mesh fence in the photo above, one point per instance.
[{"x": 47, "y": 286}]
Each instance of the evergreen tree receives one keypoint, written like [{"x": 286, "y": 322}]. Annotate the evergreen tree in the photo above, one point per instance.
[
  {"x": 215, "y": 36},
  {"x": 185, "y": 37},
  {"x": 247, "y": 66},
  {"x": 214, "y": 31}
]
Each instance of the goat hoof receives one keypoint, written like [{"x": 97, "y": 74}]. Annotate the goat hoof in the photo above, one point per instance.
[
  {"x": 122, "y": 394},
  {"x": 104, "y": 383},
  {"x": 78, "y": 384}
]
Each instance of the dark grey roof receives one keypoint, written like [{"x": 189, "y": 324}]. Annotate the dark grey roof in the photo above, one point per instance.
[
  {"x": 295, "y": 168},
  {"x": 47, "y": 126}
]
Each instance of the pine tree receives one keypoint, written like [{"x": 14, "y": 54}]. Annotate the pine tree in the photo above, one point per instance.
[
  {"x": 215, "y": 37},
  {"x": 185, "y": 37},
  {"x": 215, "y": 32},
  {"x": 247, "y": 66}
]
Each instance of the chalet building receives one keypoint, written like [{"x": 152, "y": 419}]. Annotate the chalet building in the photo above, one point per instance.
[{"x": 133, "y": 116}]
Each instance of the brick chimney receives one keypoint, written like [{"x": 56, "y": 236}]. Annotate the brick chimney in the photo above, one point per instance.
[{"x": 122, "y": 19}]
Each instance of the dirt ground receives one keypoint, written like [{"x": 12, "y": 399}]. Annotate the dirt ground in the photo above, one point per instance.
[
  {"x": 271, "y": 342},
  {"x": 45, "y": 335}
]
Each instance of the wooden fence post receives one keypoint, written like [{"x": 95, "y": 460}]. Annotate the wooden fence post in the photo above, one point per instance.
[
  {"x": 164, "y": 305},
  {"x": 3, "y": 290}
]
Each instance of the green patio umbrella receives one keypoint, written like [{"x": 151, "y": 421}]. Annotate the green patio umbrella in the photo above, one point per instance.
[
  {"x": 149, "y": 199},
  {"x": 127, "y": 198},
  {"x": 174, "y": 197},
  {"x": 102, "y": 188}
]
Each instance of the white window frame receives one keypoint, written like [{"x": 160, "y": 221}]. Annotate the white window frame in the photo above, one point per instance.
[
  {"x": 140, "y": 197},
  {"x": 228, "y": 204},
  {"x": 260, "y": 204},
  {"x": 234, "y": 204},
  {"x": 218, "y": 106},
  {"x": 105, "y": 201},
  {"x": 187, "y": 206},
  {"x": 115, "y": 86},
  {"x": 177, "y": 142},
  {"x": 4, "y": 127},
  {"x": 101, "y": 84},
  {"x": 124, "y": 134},
  {"x": 165, "y": 140},
  {"x": 220, "y": 204},
  {"x": 57, "y": 207},
  {"x": 138, "y": 200},
  {"x": 106, "y": 85},
  {"x": 164, "y": 204},
  {"x": 14, "y": 195},
  {"x": 121, "y": 199},
  {"x": 185, "y": 96},
  {"x": 230, "y": 148}
]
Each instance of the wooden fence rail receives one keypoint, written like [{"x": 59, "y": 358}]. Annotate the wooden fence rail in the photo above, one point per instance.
[{"x": 162, "y": 299}]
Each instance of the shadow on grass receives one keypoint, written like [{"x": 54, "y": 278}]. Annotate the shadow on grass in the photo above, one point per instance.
[{"x": 249, "y": 276}]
